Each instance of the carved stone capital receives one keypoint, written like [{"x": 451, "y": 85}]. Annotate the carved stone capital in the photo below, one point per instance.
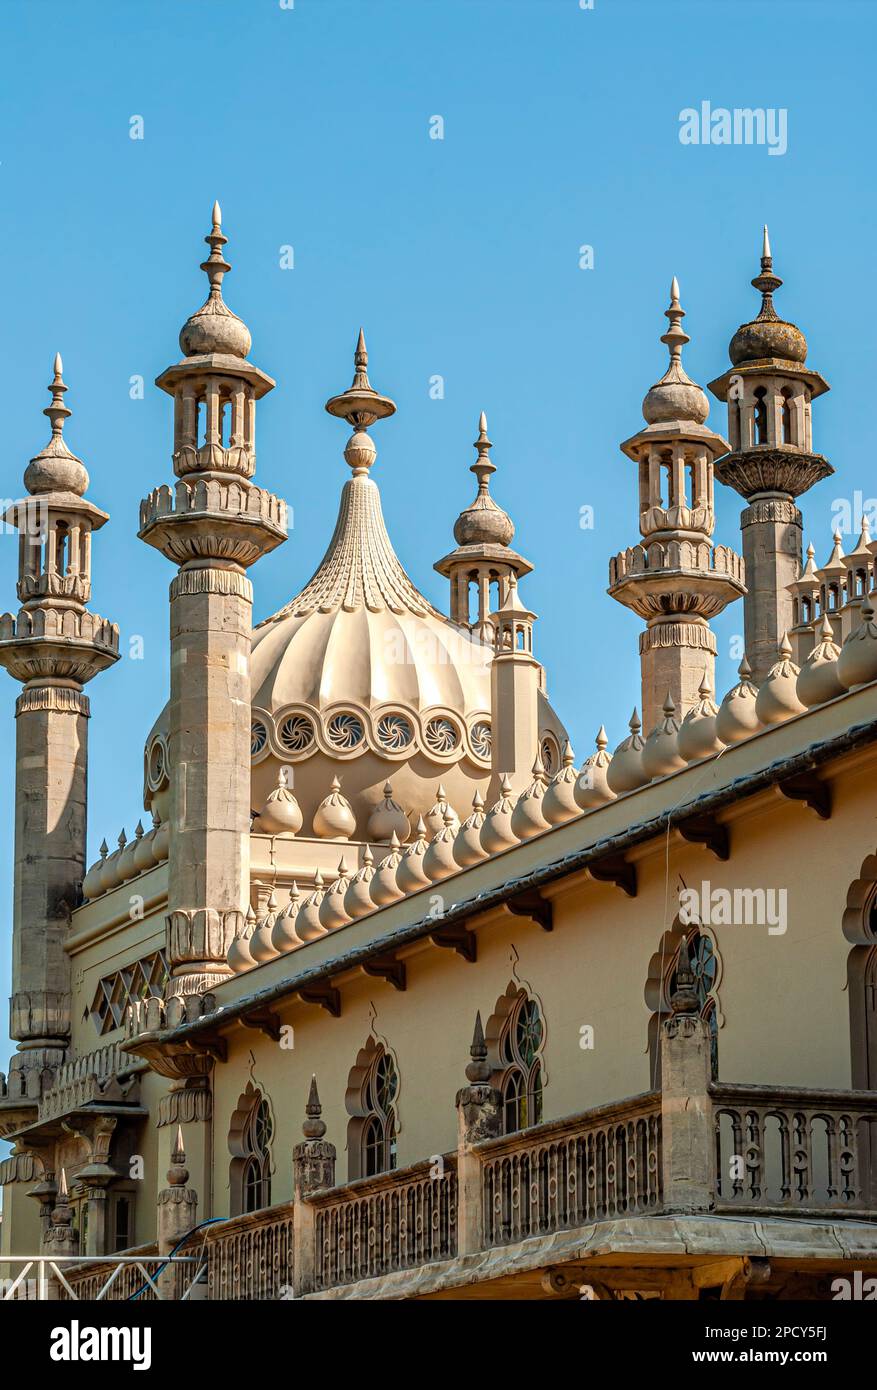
[
  {"x": 190, "y": 1104},
  {"x": 781, "y": 509},
  {"x": 678, "y": 634},
  {"x": 771, "y": 469},
  {"x": 209, "y": 580},
  {"x": 313, "y": 1166},
  {"x": 480, "y": 1108},
  {"x": 60, "y": 699},
  {"x": 199, "y": 938}
]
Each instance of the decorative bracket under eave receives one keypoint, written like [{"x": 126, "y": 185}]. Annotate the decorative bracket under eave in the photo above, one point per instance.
[
  {"x": 615, "y": 869},
  {"x": 323, "y": 993},
  {"x": 387, "y": 968},
  {"x": 706, "y": 830},
  {"x": 456, "y": 937},
  {"x": 807, "y": 787},
  {"x": 530, "y": 903}
]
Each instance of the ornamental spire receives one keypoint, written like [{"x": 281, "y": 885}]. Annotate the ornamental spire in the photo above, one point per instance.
[
  {"x": 216, "y": 266},
  {"x": 58, "y": 412},
  {"x": 675, "y": 337},
  {"x": 767, "y": 283},
  {"x": 360, "y": 405}
]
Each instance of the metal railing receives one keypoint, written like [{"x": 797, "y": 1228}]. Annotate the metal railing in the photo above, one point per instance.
[{"x": 109, "y": 1278}]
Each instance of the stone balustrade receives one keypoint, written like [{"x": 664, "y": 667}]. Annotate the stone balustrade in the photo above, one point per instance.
[
  {"x": 251, "y": 1257},
  {"x": 211, "y": 495},
  {"x": 62, "y": 624},
  {"x": 93, "y": 1077}
]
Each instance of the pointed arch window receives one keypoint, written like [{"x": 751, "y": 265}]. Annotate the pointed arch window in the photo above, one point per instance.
[
  {"x": 372, "y": 1101},
  {"x": 516, "y": 1037},
  {"x": 250, "y": 1136}
]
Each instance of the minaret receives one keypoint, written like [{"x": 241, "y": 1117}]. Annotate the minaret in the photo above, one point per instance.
[
  {"x": 769, "y": 390},
  {"x": 675, "y": 578},
  {"x": 213, "y": 526},
  {"x": 483, "y": 559},
  {"x": 54, "y": 645},
  {"x": 515, "y": 681}
]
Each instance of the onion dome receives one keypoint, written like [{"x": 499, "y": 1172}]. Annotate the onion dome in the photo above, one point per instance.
[
  {"x": 857, "y": 663},
  {"x": 527, "y": 817},
  {"x": 262, "y": 946},
  {"x": 439, "y": 861},
  {"x": 737, "y": 718},
  {"x": 162, "y": 842},
  {"x": 55, "y": 468},
  {"x": 144, "y": 852},
  {"x": 307, "y": 924},
  {"x": 559, "y": 802},
  {"x": 592, "y": 784},
  {"x": 358, "y": 901},
  {"x": 284, "y": 936},
  {"x": 214, "y": 328},
  {"x": 468, "y": 849},
  {"x": 411, "y": 875},
  {"x": 768, "y": 336},
  {"x": 333, "y": 913},
  {"x": 333, "y": 818},
  {"x": 661, "y": 754},
  {"x": 675, "y": 397},
  {"x": 818, "y": 680},
  {"x": 697, "y": 732},
  {"x": 383, "y": 888},
  {"x": 483, "y": 522},
  {"x": 496, "y": 832},
  {"x": 778, "y": 694},
  {"x": 626, "y": 771},
  {"x": 239, "y": 957},
  {"x": 92, "y": 883},
  {"x": 281, "y": 814},
  {"x": 436, "y": 816},
  {"x": 387, "y": 818}
]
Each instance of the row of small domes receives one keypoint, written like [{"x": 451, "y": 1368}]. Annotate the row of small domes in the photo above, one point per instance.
[{"x": 133, "y": 857}]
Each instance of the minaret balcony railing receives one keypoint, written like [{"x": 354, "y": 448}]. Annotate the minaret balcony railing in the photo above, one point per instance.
[{"x": 209, "y": 519}]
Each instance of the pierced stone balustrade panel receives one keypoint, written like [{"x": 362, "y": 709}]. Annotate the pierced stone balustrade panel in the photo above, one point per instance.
[
  {"x": 591, "y": 1167},
  {"x": 374, "y": 1226},
  {"x": 250, "y": 1258},
  {"x": 794, "y": 1149}
]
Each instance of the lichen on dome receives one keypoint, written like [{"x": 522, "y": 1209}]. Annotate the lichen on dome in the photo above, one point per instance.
[
  {"x": 213, "y": 327},
  {"x": 767, "y": 336}
]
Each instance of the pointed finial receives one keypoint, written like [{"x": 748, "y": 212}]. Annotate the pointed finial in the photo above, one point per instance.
[
  {"x": 367, "y": 857},
  {"x": 744, "y": 670},
  {"x": 675, "y": 337},
  {"x": 179, "y": 1154},
  {"x": 178, "y": 1173},
  {"x": 505, "y": 785},
  {"x": 635, "y": 723},
  {"x": 826, "y": 632},
  {"x": 361, "y": 405},
  {"x": 684, "y": 998},
  {"x": 482, "y": 467},
  {"x": 478, "y": 1069},
  {"x": 477, "y": 801},
  {"x": 602, "y": 740},
  {"x": 318, "y": 879},
  {"x": 138, "y": 830},
  {"x": 766, "y": 282},
  {"x": 669, "y": 706},
  {"x": 394, "y": 842},
  {"x": 314, "y": 1127},
  {"x": 785, "y": 647},
  {"x": 216, "y": 266},
  {"x": 62, "y": 1190},
  {"x": 57, "y": 412},
  {"x": 567, "y": 756},
  {"x": 123, "y": 838},
  {"x": 104, "y": 849},
  {"x": 705, "y": 688},
  {"x": 342, "y": 868},
  {"x": 420, "y": 829}
]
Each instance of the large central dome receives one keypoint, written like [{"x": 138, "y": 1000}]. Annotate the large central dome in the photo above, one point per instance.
[{"x": 360, "y": 678}]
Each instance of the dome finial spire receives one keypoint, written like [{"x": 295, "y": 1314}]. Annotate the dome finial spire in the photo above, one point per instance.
[
  {"x": 482, "y": 467},
  {"x": 675, "y": 337},
  {"x": 57, "y": 412},
  {"x": 216, "y": 266},
  {"x": 360, "y": 405},
  {"x": 766, "y": 282}
]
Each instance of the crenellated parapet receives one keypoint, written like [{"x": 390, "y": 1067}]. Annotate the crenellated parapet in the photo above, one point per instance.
[{"x": 213, "y": 519}]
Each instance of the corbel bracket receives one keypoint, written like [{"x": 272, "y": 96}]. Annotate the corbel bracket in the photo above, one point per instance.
[
  {"x": 615, "y": 869},
  {"x": 706, "y": 830},
  {"x": 387, "y": 968},
  {"x": 807, "y": 787},
  {"x": 324, "y": 994},
  {"x": 264, "y": 1019},
  {"x": 456, "y": 937},
  {"x": 530, "y": 903}
]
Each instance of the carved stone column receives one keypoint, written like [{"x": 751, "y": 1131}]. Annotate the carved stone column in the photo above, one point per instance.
[
  {"x": 688, "y": 1138},
  {"x": 479, "y": 1116},
  {"x": 313, "y": 1168}
]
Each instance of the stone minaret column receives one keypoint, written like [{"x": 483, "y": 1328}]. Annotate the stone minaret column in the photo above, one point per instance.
[
  {"x": 515, "y": 681},
  {"x": 54, "y": 645},
  {"x": 480, "y": 568},
  {"x": 769, "y": 391},
  {"x": 675, "y": 578},
  {"x": 213, "y": 525}
]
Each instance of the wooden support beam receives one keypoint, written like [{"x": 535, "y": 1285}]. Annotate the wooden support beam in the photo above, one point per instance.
[
  {"x": 807, "y": 787},
  {"x": 324, "y": 994},
  {"x": 264, "y": 1019},
  {"x": 387, "y": 968},
  {"x": 706, "y": 830},
  {"x": 456, "y": 937},
  {"x": 530, "y": 903},
  {"x": 615, "y": 869}
]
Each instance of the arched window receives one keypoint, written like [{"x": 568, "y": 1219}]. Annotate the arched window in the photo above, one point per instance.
[
  {"x": 706, "y": 967},
  {"x": 372, "y": 1100},
  {"x": 787, "y": 415},
  {"x": 249, "y": 1140},
  {"x": 760, "y": 416},
  {"x": 515, "y": 1038}
]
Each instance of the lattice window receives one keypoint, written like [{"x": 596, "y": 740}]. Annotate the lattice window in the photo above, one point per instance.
[
  {"x": 249, "y": 1141},
  {"x": 515, "y": 1038},
  {"x": 372, "y": 1099},
  {"x": 143, "y": 979}
]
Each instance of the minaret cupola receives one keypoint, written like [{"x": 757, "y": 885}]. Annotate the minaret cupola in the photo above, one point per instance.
[
  {"x": 674, "y": 577},
  {"x": 483, "y": 562}
]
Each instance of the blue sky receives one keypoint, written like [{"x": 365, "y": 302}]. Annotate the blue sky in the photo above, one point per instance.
[{"x": 460, "y": 256}]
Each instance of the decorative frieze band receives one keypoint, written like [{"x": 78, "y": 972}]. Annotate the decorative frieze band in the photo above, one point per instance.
[
  {"x": 53, "y": 697},
  {"x": 17, "y": 1168},
  {"x": 771, "y": 509},
  {"x": 212, "y": 581},
  {"x": 696, "y": 635}
]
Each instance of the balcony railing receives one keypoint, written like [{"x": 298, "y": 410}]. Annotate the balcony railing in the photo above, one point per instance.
[
  {"x": 375, "y": 1226},
  {"x": 781, "y": 1149},
  {"x": 251, "y": 1257},
  {"x": 591, "y": 1167}
]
